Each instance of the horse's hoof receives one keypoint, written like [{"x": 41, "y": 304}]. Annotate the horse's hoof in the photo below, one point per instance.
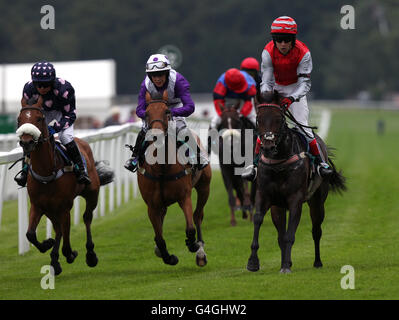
[
  {"x": 72, "y": 257},
  {"x": 47, "y": 244},
  {"x": 200, "y": 258},
  {"x": 253, "y": 265},
  {"x": 157, "y": 252},
  {"x": 233, "y": 223},
  {"x": 91, "y": 259},
  {"x": 285, "y": 270},
  {"x": 317, "y": 264},
  {"x": 172, "y": 260},
  {"x": 57, "y": 268}
]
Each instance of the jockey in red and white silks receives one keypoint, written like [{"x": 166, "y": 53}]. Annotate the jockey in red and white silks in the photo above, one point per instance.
[{"x": 286, "y": 67}]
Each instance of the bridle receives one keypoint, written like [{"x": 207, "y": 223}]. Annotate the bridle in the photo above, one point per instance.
[
  {"x": 41, "y": 138},
  {"x": 168, "y": 113}
]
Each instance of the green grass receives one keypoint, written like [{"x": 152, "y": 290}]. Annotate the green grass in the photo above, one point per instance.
[{"x": 360, "y": 229}]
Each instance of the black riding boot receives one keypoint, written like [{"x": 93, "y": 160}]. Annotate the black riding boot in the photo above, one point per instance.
[
  {"x": 323, "y": 168},
  {"x": 131, "y": 163},
  {"x": 22, "y": 176},
  {"x": 74, "y": 154}
]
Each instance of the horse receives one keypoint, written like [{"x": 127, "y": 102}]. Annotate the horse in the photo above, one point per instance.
[
  {"x": 286, "y": 179},
  {"x": 162, "y": 184},
  {"x": 52, "y": 186},
  {"x": 233, "y": 136}
]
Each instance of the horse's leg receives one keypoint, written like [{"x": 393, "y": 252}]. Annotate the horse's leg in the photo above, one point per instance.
[
  {"x": 202, "y": 197},
  {"x": 240, "y": 190},
  {"x": 247, "y": 207},
  {"x": 279, "y": 218},
  {"x": 55, "y": 252},
  {"x": 262, "y": 205},
  {"x": 228, "y": 183},
  {"x": 295, "y": 209},
  {"x": 91, "y": 203},
  {"x": 156, "y": 219},
  {"x": 34, "y": 219},
  {"x": 186, "y": 206},
  {"x": 316, "y": 206},
  {"x": 66, "y": 244}
]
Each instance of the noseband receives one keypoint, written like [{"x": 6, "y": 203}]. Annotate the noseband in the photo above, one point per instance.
[
  {"x": 270, "y": 135},
  {"x": 41, "y": 138}
]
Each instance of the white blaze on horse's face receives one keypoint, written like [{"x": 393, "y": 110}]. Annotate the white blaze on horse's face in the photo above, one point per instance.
[{"x": 28, "y": 128}]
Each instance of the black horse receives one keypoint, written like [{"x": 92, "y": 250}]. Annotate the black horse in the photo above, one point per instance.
[
  {"x": 231, "y": 141},
  {"x": 286, "y": 179}
]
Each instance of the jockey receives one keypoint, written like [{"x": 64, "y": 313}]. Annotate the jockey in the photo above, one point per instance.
[
  {"x": 160, "y": 77},
  {"x": 59, "y": 110},
  {"x": 251, "y": 66},
  {"x": 286, "y": 67},
  {"x": 234, "y": 84}
]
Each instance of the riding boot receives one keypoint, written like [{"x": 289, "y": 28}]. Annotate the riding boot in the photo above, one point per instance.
[
  {"x": 76, "y": 157},
  {"x": 22, "y": 176},
  {"x": 322, "y": 166},
  {"x": 131, "y": 163}
]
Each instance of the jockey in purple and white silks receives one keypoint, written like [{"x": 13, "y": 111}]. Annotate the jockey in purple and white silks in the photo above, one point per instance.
[
  {"x": 59, "y": 108},
  {"x": 161, "y": 77}
]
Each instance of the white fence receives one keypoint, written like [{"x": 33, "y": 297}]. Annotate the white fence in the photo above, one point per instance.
[{"x": 107, "y": 144}]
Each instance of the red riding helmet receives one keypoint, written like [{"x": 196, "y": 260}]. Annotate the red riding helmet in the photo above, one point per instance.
[
  {"x": 284, "y": 24},
  {"x": 250, "y": 63},
  {"x": 235, "y": 80}
]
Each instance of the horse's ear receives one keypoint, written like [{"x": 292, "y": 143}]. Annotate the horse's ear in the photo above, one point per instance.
[
  {"x": 39, "y": 102},
  {"x": 165, "y": 95},
  {"x": 147, "y": 97}
]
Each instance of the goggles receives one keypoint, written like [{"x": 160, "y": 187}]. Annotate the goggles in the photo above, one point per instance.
[
  {"x": 40, "y": 84},
  {"x": 282, "y": 38},
  {"x": 156, "y": 65}
]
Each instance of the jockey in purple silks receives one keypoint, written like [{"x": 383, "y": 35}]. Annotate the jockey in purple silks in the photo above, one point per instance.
[
  {"x": 59, "y": 109},
  {"x": 161, "y": 77}
]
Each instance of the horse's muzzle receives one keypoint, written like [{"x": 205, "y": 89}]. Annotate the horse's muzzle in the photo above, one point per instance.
[{"x": 27, "y": 145}]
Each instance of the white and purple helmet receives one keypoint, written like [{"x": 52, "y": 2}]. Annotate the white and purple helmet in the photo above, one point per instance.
[
  {"x": 157, "y": 62},
  {"x": 43, "y": 72}
]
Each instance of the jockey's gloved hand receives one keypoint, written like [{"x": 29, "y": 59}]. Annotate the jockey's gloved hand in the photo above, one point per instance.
[
  {"x": 54, "y": 127},
  {"x": 286, "y": 102}
]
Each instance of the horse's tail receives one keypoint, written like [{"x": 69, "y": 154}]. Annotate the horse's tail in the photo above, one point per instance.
[
  {"x": 337, "y": 181},
  {"x": 104, "y": 171}
]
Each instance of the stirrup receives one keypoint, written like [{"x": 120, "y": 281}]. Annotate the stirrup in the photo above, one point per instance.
[
  {"x": 131, "y": 164},
  {"x": 83, "y": 178}
]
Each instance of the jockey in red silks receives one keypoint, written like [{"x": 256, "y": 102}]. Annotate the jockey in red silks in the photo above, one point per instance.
[
  {"x": 234, "y": 84},
  {"x": 286, "y": 67},
  {"x": 252, "y": 66}
]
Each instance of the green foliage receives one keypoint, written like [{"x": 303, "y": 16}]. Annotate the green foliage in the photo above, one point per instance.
[{"x": 212, "y": 35}]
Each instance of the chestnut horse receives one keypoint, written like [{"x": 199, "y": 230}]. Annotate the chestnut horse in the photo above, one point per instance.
[
  {"x": 162, "y": 184},
  {"x": 52, "y": 189},
  {"x": 284, "y": 182}
]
